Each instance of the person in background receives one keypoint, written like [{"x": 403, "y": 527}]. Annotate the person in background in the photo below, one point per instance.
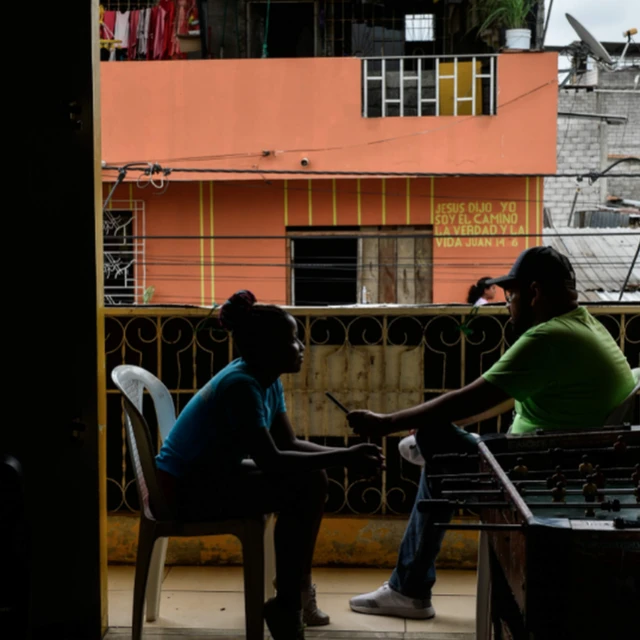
[
  {"x": 232, "y": 452},
  {"x": 481, "y": 292}
]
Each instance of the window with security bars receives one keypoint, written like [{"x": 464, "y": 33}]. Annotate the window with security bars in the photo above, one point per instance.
[
  {"x": 380, "y": 28},
  {"x": 363, "y": 265},
  {"x": 419, "y": 27},
  {"x": 123, "y": 253}
]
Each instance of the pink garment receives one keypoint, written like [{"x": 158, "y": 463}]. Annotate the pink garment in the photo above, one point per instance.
[
  {"x": 158, "y": 42},
  {"x": 182, "y": 17}
]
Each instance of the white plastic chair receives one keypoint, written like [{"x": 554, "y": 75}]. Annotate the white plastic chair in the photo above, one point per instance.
[
  {"x": 137, "y": 380},
  {"x": 483, "y": 596}
]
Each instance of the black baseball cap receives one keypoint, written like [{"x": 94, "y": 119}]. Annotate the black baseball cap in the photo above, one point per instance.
[{"x": 539, "y": 264}]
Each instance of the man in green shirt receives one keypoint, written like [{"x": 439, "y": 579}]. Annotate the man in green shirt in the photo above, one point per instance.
[{"x": 565, "y": 371}]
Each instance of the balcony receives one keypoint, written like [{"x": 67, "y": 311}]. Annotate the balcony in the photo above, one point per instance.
[{"x": 377, "y": 357}]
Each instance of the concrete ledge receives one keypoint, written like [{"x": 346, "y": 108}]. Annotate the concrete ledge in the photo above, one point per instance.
[{"x": 343, "y": 541}]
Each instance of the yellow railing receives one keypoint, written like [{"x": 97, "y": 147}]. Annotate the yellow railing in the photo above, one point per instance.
[{"x": 382, "y": 358}]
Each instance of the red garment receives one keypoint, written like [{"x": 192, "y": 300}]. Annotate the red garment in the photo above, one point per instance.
[
  {"x": 169, "y": 7},
  {"x": 108, "y": 21},
  {"x": 152, "y": 33},
  {"x": 134, "y": 21}
]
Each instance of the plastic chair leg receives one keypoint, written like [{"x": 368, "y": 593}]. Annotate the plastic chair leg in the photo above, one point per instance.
[
  {"x": 253, "y": 569},
  {"x": 154, "y": 584},
  {"x": 145, "y": 549},
  {"x": 483, "y": 595},
  {"x": 269, "y": 557}
]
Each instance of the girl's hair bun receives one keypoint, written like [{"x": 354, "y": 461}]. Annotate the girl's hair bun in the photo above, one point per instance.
[{"x": 235, "y": 311}]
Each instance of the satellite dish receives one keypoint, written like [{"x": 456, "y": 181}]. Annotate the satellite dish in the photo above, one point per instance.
[{"x": 597, "y": 51}]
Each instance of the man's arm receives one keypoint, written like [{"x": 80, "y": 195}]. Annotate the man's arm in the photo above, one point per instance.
[
  {"x": 478, "y": 400},
  {"x": 498, "y": 410}
]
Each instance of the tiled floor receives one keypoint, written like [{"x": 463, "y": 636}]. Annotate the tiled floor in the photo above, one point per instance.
[{"x": 207, "y": 602}]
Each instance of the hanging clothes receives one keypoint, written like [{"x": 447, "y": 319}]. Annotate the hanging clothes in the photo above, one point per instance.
[
  {"x": 108, "y": 25},
  {"x": 169, "y": 7},
  {"x": 159, "y": 27},
  {"x": 181, "y": 17},
  {"x": 143, "y": 33},
  {"x": 151, "y": 40},
  {"x": 134, "y": 20},
  {"x": 122, "y": 34}
]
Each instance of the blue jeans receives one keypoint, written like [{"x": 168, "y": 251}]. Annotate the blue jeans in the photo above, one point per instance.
[{"x": 415, "y": 572}]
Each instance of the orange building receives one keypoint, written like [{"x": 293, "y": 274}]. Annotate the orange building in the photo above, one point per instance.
[{"x": 324, "y": 180}]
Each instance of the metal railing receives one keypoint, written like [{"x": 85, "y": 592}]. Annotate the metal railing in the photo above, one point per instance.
[
  {"x": 428, "y": 86},
  {"x": 375, "y": 357}
]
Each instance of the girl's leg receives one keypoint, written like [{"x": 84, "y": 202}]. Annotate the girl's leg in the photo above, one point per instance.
[
  {"x": 298, "y": 499},
  {"x": 296, "y": 533}
]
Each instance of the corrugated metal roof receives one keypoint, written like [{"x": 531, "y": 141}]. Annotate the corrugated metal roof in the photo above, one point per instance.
[
  {"x": 601, "y": 261},
  {"x": 609, "y": 296}
]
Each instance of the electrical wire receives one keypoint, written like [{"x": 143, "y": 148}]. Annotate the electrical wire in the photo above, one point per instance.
[
  {"x": 357, "y": 236},
  {"x": 341, "y": 191},
  {"x": 366, "y": 174}
]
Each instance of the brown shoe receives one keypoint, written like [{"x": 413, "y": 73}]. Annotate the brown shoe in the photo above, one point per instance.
[{"x": 311, "y": 615}]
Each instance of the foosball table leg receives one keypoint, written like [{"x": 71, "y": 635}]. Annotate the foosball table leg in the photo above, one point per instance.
[
  {"x": 483, "y": 594},
  {"x": 503, "y": 607}
]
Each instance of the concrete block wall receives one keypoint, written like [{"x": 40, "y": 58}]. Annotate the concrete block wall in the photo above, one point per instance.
[{"x": 579, "y": 148}]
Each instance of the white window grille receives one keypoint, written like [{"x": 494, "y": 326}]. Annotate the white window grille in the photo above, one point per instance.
[
  {"x": 403, "y": 86},
  {"x": 123, "y": 229}
]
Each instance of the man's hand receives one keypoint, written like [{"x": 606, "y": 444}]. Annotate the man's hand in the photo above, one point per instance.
[
  {"x": 366, "y": 459},
  {"x": 369, "y": 424}
]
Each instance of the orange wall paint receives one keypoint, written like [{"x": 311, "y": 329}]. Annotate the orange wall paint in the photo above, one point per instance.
[
  {"x": 224, "y": 113},
  {"x": 199, "y": 271}
]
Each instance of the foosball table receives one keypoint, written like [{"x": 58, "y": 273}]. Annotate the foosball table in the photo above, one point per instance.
[{"x": 560, "y": 522}]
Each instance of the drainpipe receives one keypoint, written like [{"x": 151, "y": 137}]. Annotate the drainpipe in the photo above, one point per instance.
[
  {"x": 603, "y": 135},
  {"x": 626, "y": 280},
  {"x": 541, "y": 29}
]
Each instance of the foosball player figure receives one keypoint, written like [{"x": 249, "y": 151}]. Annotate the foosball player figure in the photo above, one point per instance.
[
  {"x": 558, "y": 476},
  {"x": 635, "y": 476},
  {"x": 585, "y": 468},
  {"x": 590, "y": 493},
  {"x": 520, "y": 470},
  {"x": 620, "y": 445},
  {"x": 558, "y": 492}
]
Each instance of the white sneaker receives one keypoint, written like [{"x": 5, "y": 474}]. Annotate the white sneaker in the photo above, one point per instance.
[{"x": 387, "y": 602}]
